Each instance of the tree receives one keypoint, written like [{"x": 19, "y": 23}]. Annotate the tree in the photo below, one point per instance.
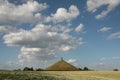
[
  {"x": 17, "y": 70},
  {"x": 85, "y": 69},
  {"x": 115, "y": 70},
  {"x": 80, "y": 69},
  {"x": 28, "y": 69},
  {"x": 39, "y": 69}
]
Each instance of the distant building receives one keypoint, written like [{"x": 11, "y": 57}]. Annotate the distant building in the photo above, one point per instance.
[{"x": 61, "y": 66}]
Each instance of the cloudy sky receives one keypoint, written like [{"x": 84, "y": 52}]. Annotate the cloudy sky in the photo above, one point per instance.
[{"x": 37, "y": 33}]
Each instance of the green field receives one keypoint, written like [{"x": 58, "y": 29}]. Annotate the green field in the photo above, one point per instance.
[
  {"x": 59, "y": 75},
  {"x": 28, "y": 75}
]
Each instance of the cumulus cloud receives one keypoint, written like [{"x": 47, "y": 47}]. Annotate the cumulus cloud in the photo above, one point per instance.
[
  {"x": 7, "y": 29},
  {"x": 104, "y": 29},
  {"x": 93, "y": 5},
  {"x": 42, "y": 42},
  {"x": 35, "y": 55},
  {"x": 37, "y": 37},
  {"x": 24, "y": 13},
  {"x": 45, "y": 40},
  {"x": 63, "y": 14},
  {"x": 79, "y": 28},
  {"x": 114, "y": 36},
  {"x": 103, "y": 59},
  {"x": 73, "y": 61},
  {"x": 116, "y": 58},
  {"x": 105, "y": 62}
]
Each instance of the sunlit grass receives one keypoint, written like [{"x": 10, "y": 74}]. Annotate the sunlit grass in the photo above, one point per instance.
[
  {"x": 28, "y": 75},
  {"x": 59, "y": 75},
  {"x": 88, "y": 75}
]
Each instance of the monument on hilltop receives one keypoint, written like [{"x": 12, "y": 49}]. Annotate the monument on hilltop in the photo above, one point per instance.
[{"x": 61, "y": 65}]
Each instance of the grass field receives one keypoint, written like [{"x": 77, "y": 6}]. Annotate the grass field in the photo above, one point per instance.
[
  {"x": 88, "y": 75},
  {"x": 28, "y": 75},
  {"x": 59, "y": 75}
]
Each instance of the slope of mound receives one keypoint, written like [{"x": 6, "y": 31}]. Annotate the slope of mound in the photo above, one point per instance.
[{"x": 61, "y": 66}]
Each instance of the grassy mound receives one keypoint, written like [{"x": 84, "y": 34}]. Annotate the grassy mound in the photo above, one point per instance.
[{"x": 61, "y": 66}]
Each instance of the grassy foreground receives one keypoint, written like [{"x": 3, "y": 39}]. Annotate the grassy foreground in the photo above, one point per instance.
[
  {"x": 59, "y": 75},
  {"x": 28, "y": 75},
  {"x": 88, "y": 75}
]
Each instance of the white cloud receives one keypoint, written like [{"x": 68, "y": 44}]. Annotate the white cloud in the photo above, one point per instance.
[
  {"x": 63, "y": 14},
  {"x": 104, "y": 29},
  {"x": 103, "y": 59},
  {"x": 73, "y": 62},
  {"x": 35, "y": 55},
  {"x": 110, "y": 58},
  {"x": 114, "y": 36},
  {"x": 93, "y": 5},
  {"x": 15, "y": 14},
  {"x": 79, "y": 28},
  {"x": 43, "y": 42},
  {"x": 6, "y": 29},
  {"x": 31, "y": 12},
  {"x": 116, "y": 58},
  {"x": 107, "y": 63}
]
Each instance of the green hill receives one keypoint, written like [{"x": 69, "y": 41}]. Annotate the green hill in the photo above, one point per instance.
[{"x": 61, "y": 66}]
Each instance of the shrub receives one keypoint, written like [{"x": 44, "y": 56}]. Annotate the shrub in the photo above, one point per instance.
[
  {"x": 85, "y": 69},
  {"x": 115, "y": 70},
  {"x": 39, "y": 69},
  {"x": 28, "y": 69},
  {"x": 80, "y": 69}
]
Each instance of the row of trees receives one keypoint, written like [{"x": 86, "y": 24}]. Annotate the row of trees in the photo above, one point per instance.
[
  {"x": 87, "y": 69},
  {"x": 39, "y": 69},
  {"x": 29, "y": 69},
  {"x": 84, "y": 69}
]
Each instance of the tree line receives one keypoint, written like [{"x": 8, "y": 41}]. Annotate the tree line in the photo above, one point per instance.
[{"x": 39, "y": 69}]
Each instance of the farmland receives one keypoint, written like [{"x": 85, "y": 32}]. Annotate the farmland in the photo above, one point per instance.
[
  {"x": 88, "y": 75},
  {"x": 59, "y": 75}
]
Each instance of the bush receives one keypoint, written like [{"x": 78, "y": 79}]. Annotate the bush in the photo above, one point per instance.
[
  {"x": 39, "y": 69},
  {"x": 115, "y": 70},
  {"x": 28, "y": 69},
  {"x": 80, "y": 69},
  {"x": 85, "y": 69}
]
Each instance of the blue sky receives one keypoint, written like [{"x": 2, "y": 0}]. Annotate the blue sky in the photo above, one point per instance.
[{"x": 37, "y": 33}]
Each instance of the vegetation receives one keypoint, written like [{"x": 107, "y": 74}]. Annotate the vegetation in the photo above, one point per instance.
[
  {"x": 85, "y": 69},
  {"x": 28, "y": 69},
  {"x": 39, "y": 69},
  {"x": 59, "y": 75},
  {"x": 115, "y": 70},
  {"x": 61, "y": 66},
  {"x": 88, "y": 75},
  {"x": 28, "y": 75},
  {"x": 80, "y": 69}
]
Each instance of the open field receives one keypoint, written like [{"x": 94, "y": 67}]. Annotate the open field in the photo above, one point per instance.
[
  {"x": 28, "y": 75},
  {"x": 88, "y": 75},
  {"x": 59, "y": 75}
]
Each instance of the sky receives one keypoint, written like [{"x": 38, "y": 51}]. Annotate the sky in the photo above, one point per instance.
[{"x": 37, "y": 33}]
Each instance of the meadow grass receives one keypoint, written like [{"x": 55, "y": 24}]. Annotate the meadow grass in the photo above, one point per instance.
[
  {"x": 59, "y": 75},
  {"x": 28, "y": 75},
  {"x": 88, "y": 75}
]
